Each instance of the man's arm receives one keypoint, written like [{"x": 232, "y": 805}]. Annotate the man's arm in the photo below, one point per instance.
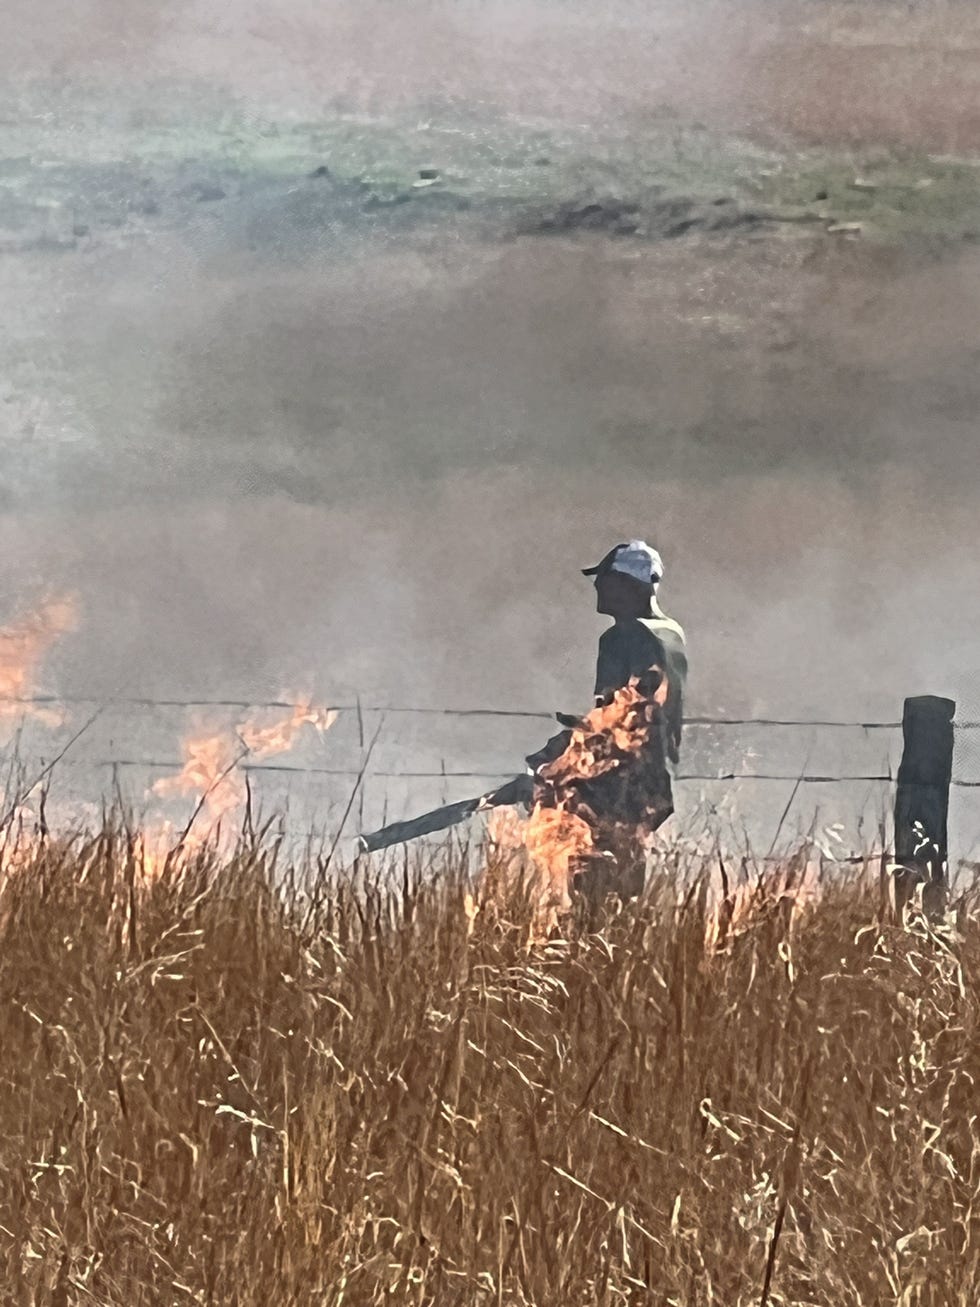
[
  {"x": 676, "y": 669},
  {"x": 675, "y": 715}
]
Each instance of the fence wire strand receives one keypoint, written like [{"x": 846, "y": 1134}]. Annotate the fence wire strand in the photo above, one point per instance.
[
  {"x": 116, "y": 701},
  {"x": 151, "y": 764},
  {"x": 510, "y": 713}
]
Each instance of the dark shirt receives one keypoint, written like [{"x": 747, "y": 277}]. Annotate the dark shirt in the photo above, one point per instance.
[{"x": 630, "y": 648}]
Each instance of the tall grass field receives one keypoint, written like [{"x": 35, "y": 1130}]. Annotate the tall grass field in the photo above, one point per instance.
[{"x": 230, "y": 1084}]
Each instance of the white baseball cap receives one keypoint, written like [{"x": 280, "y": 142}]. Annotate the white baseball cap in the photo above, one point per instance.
[{"x": 635, "y": 558}]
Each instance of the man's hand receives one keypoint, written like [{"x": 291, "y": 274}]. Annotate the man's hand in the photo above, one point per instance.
[
  {"x": 568, "y": 720},
  {"x": 555, "y": 747}
]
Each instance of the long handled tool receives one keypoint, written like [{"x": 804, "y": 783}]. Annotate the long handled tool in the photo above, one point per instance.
[{"x": 519, "y": 790}]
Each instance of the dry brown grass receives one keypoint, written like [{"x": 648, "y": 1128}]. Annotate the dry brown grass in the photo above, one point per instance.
[{"x": 212, "y": 1094}]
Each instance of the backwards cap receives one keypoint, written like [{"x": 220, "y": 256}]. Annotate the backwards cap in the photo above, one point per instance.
[{"x": 636, "y": 559}]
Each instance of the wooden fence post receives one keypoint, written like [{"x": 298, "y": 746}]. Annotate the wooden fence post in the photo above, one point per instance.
[{"x": 922, "y": 801}]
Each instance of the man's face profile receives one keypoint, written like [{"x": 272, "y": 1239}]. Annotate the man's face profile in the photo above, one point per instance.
[{"x": 618, "y": 595}]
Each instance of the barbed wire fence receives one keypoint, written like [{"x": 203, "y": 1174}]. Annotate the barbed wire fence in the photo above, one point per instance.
[{"x": 27, "y": 703}]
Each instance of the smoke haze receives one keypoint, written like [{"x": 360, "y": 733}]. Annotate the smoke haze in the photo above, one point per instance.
[
  {"x": 272, "y": 457},
  {"x": 869, "y": 72}
]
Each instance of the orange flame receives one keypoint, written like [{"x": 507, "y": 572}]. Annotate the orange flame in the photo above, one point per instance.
[
  {"x": 150, "y": 849},
  {"x": 551, "y": 839},
  {"x": 23, "y": 646},
  {"x": 609, "y": 734},
  {"x": 265, "y": 741},
  {"x": 212, "y": 763},
  {"x": 18, "y": 839},
  {"x": 790, "y": 889},
  {"x": 555, "y": 839},
  {"x": 562, "y": 827},
  {"x": 209, "y": 772}
]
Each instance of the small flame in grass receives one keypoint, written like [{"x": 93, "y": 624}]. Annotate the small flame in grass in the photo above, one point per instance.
[
  {"x": 513, "y": 867},
  {"x": 160, "y": 846},
  {"x": 153, "y": 846},
  {"x": 212, "y": 763},
  {"x": 265, "y": 741},
  {"x": 209, "y": 773},
  {"x": 555, "y": 839},
  {"x": 790, "y": 889},
  {"x": 24, "y": 644},
  {"x": 18, "y": 837}
]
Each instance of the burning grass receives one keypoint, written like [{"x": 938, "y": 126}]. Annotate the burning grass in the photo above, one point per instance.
[
  {"x": 218, "y": 1089},
  {"x": 24, "y": 645}
]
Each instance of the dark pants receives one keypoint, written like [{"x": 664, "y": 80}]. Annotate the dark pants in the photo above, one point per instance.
[
  {"x": 598, "y": 876},
  {"x": 618, "y": 863}
]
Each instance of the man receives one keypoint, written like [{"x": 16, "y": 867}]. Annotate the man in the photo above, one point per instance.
[
  {"x": 642, "y": 635},
  {"x": 643, "y": 646},
  {"x": 609, "y": 768}
]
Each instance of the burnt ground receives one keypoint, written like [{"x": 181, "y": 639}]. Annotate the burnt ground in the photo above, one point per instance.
[{"x": 343, "y": 398}]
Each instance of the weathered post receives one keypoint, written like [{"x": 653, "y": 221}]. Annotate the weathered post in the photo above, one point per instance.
[{"x": 922, "y": 801}]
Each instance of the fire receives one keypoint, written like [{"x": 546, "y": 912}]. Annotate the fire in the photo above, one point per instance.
[
  {"x": 212, "y": 763},
  {"x": 545, "y": 844},
  {"x": 609, "y": 734},
  {"x": 209, "y": 773},
  {"x": 153, "y": 849},
  {"x": 789, "y": 889},
  {"x": 23, "y": 647},
  {"x": 265, "y": 741},
  {"x": 18, "y": 838},
  {"x": 24, "y": 644},
  {"x": 608, "y": 779},
  {"x": 555, "y": 840}
]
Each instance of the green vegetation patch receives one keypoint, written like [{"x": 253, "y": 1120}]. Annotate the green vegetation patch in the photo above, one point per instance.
[
  {"x": 888, "y": 197},
  {"x": 465, "y": 158}
]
